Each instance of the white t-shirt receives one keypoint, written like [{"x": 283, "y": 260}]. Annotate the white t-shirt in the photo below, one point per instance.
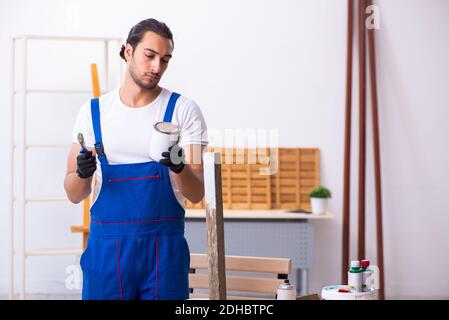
[{"x": 126, "y": 132}]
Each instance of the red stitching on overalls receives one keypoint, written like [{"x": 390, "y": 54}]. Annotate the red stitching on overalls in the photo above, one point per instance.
[
  {"x": 134, "y": 222},
  {"x": 136, "y": 178},
  {"x": 118, "y": 269},
  {"x": 157, "y": 263}
]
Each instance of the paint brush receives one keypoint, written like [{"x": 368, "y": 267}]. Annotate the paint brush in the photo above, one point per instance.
[{"x": 82, "y": 143}]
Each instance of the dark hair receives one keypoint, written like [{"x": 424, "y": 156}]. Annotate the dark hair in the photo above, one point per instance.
[{"x": 138, "y": 31}]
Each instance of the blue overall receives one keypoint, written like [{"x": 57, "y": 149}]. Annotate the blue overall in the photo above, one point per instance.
[{"x": 136, "y": 247}]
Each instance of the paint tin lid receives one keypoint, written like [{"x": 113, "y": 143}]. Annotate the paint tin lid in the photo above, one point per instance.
[
  {"x": 166, "y": 127},
  {"x": 334, "y": 293}
]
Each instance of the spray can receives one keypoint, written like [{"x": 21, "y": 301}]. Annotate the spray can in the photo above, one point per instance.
[
  {"x": 286, "y": 291},
  {"x": 355, "y": 276}
]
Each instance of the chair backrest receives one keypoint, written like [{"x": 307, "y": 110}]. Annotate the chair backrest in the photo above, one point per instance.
[{"x": 248, "y": 286}]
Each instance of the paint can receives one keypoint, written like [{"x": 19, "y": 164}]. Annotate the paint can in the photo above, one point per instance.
[{"x": 165, "y": 135}]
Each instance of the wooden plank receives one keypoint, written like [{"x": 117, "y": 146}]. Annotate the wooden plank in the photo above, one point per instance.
[
  {"x": 285, "y": 183},
  {"x": 268, "y": 186},
  {"x": 238, "y": 183},
  {"x": 290, "y": 190},
  {"x": 238, "y": 283},
  {"x": 289, "y": 166},
  {"x": 239, "y": 191},
  {"x": 242, "y": 205},
  {"x": 239, "y": 174},
  {"x": 229, "y": 297},
  {"x": 309, "y": 182},
  {"x": 278, "y": 189},
  {"x": 286, "y": 151},
  {"x": 306, "y": 174},
  {"x": 263, "y": 205},
  {"x": 258, "y": 199},
  {"x": 259, "y": 190},
  {"x": 238, "y": 167},
  {"x": 257, "y": 166},
  {"x": 259, "y": 183},
  {"x": 228, "y": 201},
  {"x": 309, "y": 151},
  {"x": 297, "y": 182},
  {"x": 289, "y": 158},
  {"x": 246, "y": 263},
  {"x": 215, "y": 228},
  {"x": 288, "y": 174},
  {"x": 308, "y": 166},
  {"x": 239, "y": 198},
  {"x": 317, "y": 168},
  {"x": 307, "y": 158},
  {"x": 290, "y": 198}
]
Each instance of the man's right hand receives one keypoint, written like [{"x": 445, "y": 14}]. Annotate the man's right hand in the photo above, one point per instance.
[{"x": 86, "y": 164}]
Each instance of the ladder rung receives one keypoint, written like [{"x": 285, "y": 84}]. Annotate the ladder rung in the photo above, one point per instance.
[
  {"x": 76, "y": 229},
  {"x": 53, "y": 252},
  {"x": 38, "y": 37},
  {"x": 46, "y": 199},
  {"x": 45, "y": 146},
  {"x": 53, "y": 91}
]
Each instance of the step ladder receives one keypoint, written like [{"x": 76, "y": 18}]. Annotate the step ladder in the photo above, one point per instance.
[{"x": 18, "y": 202}]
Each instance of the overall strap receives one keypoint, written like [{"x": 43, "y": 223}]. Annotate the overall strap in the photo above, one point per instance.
[
  {"x": 95, "y": 111},
  {"x": 171, "y": 107}
]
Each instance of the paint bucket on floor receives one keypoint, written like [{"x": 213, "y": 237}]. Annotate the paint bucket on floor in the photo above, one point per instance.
[{"x": 165, "y": 135}]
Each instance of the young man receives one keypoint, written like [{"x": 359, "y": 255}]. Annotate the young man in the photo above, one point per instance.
[{"x": 136, "y": 247}]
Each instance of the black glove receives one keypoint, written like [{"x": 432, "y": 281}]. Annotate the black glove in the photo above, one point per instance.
[
  {"x": 86, "y": 164},
  {"x": 174, "y": 159}
]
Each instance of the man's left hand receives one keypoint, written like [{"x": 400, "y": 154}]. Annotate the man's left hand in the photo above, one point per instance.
[{"x": 174, "y": 159}]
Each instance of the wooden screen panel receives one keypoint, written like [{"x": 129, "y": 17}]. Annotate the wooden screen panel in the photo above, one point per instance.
[{"x": 244, "y": 187}]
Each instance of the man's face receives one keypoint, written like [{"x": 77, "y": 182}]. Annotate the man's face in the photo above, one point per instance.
[{"x": 149, "y": 60}]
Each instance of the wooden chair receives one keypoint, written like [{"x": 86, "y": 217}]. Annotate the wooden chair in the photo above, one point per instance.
[{"x": 249, "y": 286}]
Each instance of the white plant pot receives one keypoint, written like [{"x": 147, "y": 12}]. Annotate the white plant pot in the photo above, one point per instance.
[{"x": 319, "y": 205}]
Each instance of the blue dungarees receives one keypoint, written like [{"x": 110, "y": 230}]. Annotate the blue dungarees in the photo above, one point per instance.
[{"x": 136, "y": 247}]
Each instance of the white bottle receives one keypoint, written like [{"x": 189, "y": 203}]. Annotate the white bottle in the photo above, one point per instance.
[
  {"x": 355, "y": 277},
  {"x": 286, "y": 291}
]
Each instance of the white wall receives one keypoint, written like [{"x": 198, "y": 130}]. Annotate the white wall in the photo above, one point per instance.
[{"x": 269, "y": 65}]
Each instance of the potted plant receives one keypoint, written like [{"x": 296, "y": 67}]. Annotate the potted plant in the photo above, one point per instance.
[{"x": 318, "y": 198}]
